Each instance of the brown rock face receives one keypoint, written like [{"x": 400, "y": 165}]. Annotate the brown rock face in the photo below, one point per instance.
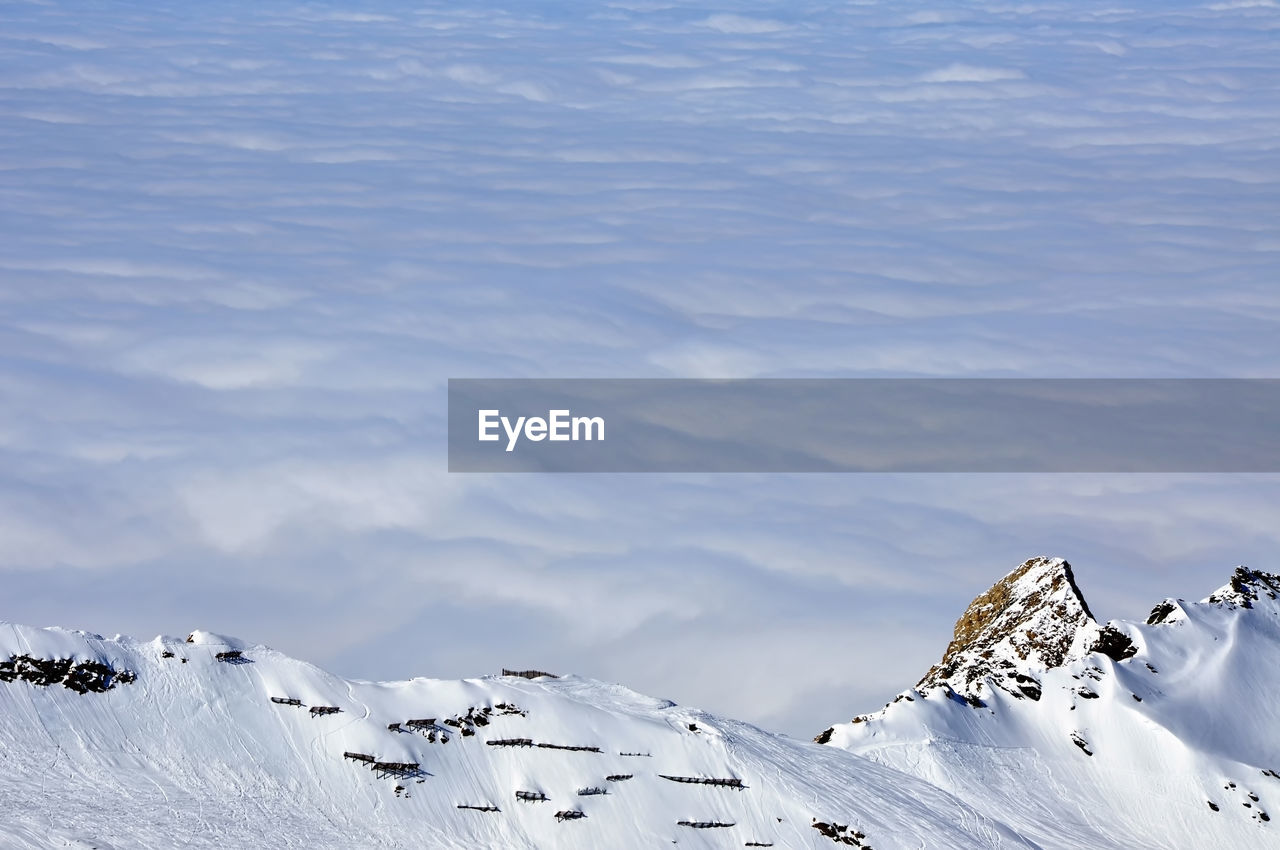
[{"x": 1032, "y": 619}]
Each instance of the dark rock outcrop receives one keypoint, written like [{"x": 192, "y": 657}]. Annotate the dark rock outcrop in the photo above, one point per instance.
[
  {"x": 1247, "y": 587},
  {"x": 79, "y": 676}
]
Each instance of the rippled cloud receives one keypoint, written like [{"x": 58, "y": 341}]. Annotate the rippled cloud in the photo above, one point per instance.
[{"x": 246, "y": 244}]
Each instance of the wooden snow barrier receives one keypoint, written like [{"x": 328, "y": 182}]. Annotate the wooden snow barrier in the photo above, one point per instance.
[
  {"x": 510, "y": 742},
  {"x": 593, "y": 791},
  {"x": 759, "y": 844},
  {"x": 233, "y": 656},
  {"x": 420, "y": 724},
  {"x": 384, "y": 769},
  {"x": 532, "y": 796},
  {"x": 638, "y": 755},
  {"x": 405, "y": 769},
  {"x": 704, "y": 824},
  {"x": 322, "y": 710},
  {"x": 702, "y": 780},
  {"x": 529, "y": 674},
  {"x": 569, "y": 748},
  {"x": 618, "y": 777},
  {"x": 570, "y": 814},
  {"x": 479, "y": 808},
  {"x": 297, "y": 703}
]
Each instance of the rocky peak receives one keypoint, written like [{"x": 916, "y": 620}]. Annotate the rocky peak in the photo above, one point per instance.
[
  {"x": 1247, "y": 587},
  {"x": 1035, "y": 618}
]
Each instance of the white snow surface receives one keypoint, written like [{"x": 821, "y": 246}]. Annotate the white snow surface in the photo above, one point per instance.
[
  {"x": 1173, "y": 747},
  {"x": 1190, "y": 719},
  {"x": 196, "y": 754}
]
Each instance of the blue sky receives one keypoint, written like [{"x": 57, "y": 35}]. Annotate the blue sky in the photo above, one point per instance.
[{"x": 245, "y": 244}]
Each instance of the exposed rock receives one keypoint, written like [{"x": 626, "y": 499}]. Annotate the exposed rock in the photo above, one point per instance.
[
  {"x": 1079, "y": 741},
  {"x": 81, "y": 677},
  {"x": 1160, "y": 613},
  {"x": 1115, "y": 644},
  {"x": 1027, "y": 686},
  {"x": 841, "y": 833},
  {"x": 1031, "y": 620},
  {"x": 1246, "y": 587}
]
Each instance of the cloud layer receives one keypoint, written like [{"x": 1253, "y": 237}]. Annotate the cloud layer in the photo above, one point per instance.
[{"x": 245, "y": 245}]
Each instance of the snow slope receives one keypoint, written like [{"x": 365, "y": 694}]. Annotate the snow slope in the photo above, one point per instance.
[
  {"x": 194, "y": 752},
  {"x": 1160, "y": 734},
  {"x": 1040, "y": 727}
]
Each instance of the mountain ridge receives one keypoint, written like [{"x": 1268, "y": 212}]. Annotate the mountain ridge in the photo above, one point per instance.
[
  {"x": 1039, "y": 728},
  {"x": 1143, "y": 734},
  {"x": 232, "y": 744}
]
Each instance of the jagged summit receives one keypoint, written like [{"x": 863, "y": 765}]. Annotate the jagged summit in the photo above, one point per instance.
[
  {"x": 1246, "y": 587},
  {"x": 1035, "y": 618},
  {"x": 1133, "y": 734}
]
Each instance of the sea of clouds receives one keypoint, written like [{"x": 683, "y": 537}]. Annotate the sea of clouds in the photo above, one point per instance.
[{"x": 243, "y": 246}]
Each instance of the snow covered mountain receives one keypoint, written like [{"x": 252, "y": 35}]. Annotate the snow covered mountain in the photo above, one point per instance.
[
  {"x": 210, "y": 742},
  {"x": 1159, "y": 734},
  {"x": 1040, "y": 727}
]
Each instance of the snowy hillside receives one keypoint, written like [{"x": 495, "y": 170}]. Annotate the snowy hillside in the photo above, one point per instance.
[
  {"x": 1040, "y": 727},
  {"x": 1163, "y": 733},
  {"x": 210, "y": 742}
]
